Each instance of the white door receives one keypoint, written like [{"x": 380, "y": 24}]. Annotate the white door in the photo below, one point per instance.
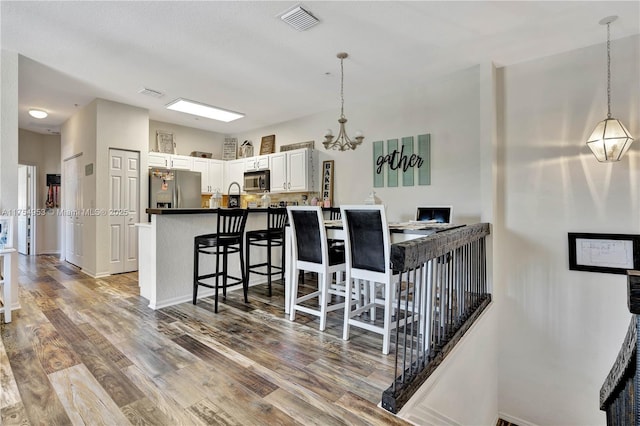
[
  {"x": 72, "y": 196},
  {"x": 23, "y": 207},
  {"x": 124, "y": 202}
]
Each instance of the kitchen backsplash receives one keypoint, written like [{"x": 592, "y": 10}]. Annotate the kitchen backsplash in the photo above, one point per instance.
[{"x": 248, "y": 200}]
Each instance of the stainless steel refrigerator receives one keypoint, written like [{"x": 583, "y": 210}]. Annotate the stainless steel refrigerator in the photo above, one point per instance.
[{"x": 174, "y": 189}]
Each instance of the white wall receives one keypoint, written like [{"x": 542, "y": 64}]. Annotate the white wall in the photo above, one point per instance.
[
  {"x": 188, "y": 139},
  {"x": 447, "y": 109},
  {"x": 43, "y": 151},
  {"x": 9, "y": 146},
  {"x": 119, "y": 126},
  {"x": 78, "y": 136},
  {"x": 561, "y": 330}
]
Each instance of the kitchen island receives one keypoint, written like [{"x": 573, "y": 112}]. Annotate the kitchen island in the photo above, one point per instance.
[{"x": 165, "y": 268}]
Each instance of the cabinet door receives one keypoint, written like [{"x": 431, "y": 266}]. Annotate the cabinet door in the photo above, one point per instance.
[
  {"x": 157, "y": 159},
  {"x": 297, "y": 170},
  {"x": 262, "y": 162},
  {"x": 278, "y": 172},
  {"x": 181, "y": 162},
  {"x": 250, "y": 164},
  {"x": 216, "y": 175},
  {"x": 235, "y": 173},
  {"x": 202, "y": 165}
]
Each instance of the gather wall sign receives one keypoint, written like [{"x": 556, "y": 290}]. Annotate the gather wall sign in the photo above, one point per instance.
[{"x": 401, "y": 163}]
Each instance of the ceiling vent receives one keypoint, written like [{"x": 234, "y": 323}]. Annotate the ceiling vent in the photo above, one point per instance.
[
  {"x": 151, "y": 92},
  {"x": 299, "y": 18}
]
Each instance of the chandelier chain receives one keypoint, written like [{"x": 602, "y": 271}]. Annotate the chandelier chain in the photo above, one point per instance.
[
  {"x": 608, "y": 72},
  {"x": 341, "y": 87}
]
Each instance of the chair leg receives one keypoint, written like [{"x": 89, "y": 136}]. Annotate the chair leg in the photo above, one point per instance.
[
  {"x": 195, "y": 271},
  {"x": 347, "y": 308},
  {"x": 225, "y": 270},
  {"x": 294, "y": 296},
  {"x": 388, "y": 307},
  {"x": 217, "y": 276},
  {"x": 245, "y": 275},
  {"x": 324, "y": 295},
  {"x": 247, "y": 268},
  {"x": 269, "y": 264}
]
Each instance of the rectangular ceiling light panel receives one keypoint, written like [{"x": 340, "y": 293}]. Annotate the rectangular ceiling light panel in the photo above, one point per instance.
[
  {"x": 299, "y": 19},
  {"x": 203, "y": 110}
]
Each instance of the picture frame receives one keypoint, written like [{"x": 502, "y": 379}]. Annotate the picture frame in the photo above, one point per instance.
[
  {"x": 327, "y": 180},
  {"x": 230, "y": 149},
  {"x": 165, "y": 142},
  {"x": 268, "y": 144},
  {"x": 605, "y": 253}
]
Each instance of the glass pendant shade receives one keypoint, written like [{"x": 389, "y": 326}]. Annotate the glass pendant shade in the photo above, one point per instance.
[{"x": 609, "y": 140}]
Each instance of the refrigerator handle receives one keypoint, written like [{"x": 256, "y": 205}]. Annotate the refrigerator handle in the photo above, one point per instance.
[{"x": 179, "y": 195}]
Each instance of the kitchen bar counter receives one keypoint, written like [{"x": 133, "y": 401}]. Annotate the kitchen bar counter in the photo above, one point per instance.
[{"x": 165, "y": 271}]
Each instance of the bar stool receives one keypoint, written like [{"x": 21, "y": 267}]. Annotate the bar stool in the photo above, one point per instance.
[
  {"x": 227, "y": 240},
  {"x": 272, "y": 236}
]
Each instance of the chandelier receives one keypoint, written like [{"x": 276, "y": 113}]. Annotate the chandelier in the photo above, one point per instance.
[
  {"x": 342, "y": 142},
  {"x": 610, "y": 139}
]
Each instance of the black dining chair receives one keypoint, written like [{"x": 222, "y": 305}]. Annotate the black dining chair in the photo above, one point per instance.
[
  {"x": 311, "y": 252},
  {"x": 272, "y": 236},
  {"x": 368, "y": 257},
  {"x": 228, "y": 239}
]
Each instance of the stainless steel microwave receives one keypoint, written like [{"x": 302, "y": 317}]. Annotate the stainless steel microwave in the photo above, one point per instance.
[{"x": 257, "y": 181}]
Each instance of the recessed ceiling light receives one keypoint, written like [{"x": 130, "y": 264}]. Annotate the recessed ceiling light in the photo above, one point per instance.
[
  {"x": 203, "y": 110},
  {"x": 38, "y": 113}
]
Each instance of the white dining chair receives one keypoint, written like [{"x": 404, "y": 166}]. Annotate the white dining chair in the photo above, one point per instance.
[
  {"x": 311, "y": 252},
  {"x": 368, "y": 257}
]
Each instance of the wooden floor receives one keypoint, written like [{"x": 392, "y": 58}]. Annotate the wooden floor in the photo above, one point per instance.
[{"x": 90, "y": 351}]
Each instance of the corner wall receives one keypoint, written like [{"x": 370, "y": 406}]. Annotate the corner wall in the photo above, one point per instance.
[{"x": 561, "y": 330}]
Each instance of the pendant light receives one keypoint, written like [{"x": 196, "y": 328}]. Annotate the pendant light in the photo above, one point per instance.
[
  {"x": 342, "y": 142},
  {"x": 610, "y": 139}
]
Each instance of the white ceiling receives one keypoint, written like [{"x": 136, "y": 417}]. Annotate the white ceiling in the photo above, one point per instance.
[{"x": 239, "y": 55}]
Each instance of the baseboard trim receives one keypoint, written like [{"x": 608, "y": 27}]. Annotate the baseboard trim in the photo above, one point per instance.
[{"x": 159, "y": 304}]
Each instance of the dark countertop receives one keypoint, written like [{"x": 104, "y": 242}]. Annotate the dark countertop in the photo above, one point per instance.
[{"x": 196, "y": 211}]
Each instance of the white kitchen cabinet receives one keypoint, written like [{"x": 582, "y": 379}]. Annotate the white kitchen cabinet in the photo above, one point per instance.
[
  {"x": 169, "y": 161},
  {"x": 234, "y": 172},
  {"x": 260, "y": 162},
  {"x": 293, "y": 171},
  {"x": 211, "y": 172},
  {"x": 158, "y": 159}
]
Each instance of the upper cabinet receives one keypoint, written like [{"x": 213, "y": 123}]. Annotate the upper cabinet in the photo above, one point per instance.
[
  {"x": 234, "y": 172},
  {"x": 170, "y": 161},
  {"x": 212, "y": 172},
  {"x": 260, "y": 162},
  {"x": 293, "y": 171}
]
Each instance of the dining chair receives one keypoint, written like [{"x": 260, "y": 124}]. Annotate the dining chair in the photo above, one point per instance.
[
  {"x": 311, "y": 252},
  {"x": 228, "y": 239},
  {"x": 368, "y": 257}
]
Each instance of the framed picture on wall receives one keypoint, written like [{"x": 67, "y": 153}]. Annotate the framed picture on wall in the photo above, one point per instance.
[
  {"x": 607, "y": 253},
  {"x": 268, "y": 145},
  {"x": 165, "y": 142}
]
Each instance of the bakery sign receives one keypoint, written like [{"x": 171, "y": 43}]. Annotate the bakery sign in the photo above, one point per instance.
[{"x": 403, "y": 162}]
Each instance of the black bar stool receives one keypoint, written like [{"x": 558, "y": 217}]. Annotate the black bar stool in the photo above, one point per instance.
[
  {"x": 271, "y": 237},
  {"x": 227, "y": 240}
]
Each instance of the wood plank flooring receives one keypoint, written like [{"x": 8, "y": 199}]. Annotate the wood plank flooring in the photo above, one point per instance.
[{"x": 90, "y": 351}]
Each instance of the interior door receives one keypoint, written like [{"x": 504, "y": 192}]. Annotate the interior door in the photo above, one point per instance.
[
  {"x": 124, "y": 196},
  {"x": 23, "y": 207},
  {"x": 72, "y": 197}
]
